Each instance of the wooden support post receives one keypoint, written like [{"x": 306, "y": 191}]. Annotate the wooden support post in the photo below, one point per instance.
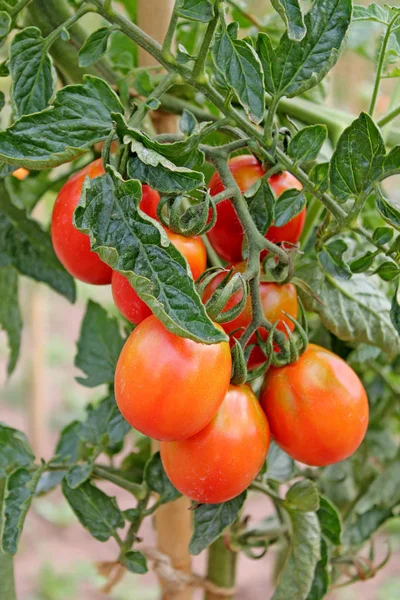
[{"x": 173, "y": 521}]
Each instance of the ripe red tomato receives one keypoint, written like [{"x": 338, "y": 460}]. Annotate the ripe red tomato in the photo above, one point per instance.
[
  {"x": 73, "y": 247},
  {"x": 317, "y": 408},
  {"x": 222, "y": 460},
  {"x": 125, "y": 297},
  {"x": 275, "y": 299},
  {"x": 227, "y": 234},
  {"x": 169, "y": 387}
]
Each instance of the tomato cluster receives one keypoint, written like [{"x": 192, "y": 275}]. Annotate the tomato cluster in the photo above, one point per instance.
[{"x": 215, "y": 436}]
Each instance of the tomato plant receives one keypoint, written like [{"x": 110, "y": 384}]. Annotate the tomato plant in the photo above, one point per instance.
[{"x": 248, "y": 223}]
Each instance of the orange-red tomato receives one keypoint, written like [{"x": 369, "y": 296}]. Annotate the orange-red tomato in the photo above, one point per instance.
[
  {"x": 276, "y": 300},
  {"x": 317, "y": 408},
  {"x": 222, "y": 460},
  {"x": 73, "y": 247},
  {"x": 227, "y": 234},
  {"x": 125, "y": 297},
  {"x": 169, "y": 387},
  {"x": 21, "y": 173}
]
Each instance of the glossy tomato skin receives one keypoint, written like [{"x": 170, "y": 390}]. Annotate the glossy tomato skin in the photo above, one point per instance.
[
  {"x": 276, "y": 300},
  {"x": 149, "y": 201},
  {"x": 227, "y": 234},
  {"x": 222, "y": 460},
  {"x": 71, "y": 246},
  {"x": 126, "y": 299},
  {"x": 169, "y": 387},
  {"x": 317, "y": 408}
]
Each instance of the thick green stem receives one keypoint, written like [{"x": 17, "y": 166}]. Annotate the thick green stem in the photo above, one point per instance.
[
  {"x": 136, "y": 489},
  {"x": 142, "y": 111},
  {"x": 18, "y": 7},
  {"x": 7, "y": 583},
  {"x": 169, "y": 36},
  {"x": 198, "y": 69},
  {"x": 269, "y": 121},
  {"x": 221, "y": 568},
  {"x": 381, "y": 62},
  {"x": 54, "y": 35}
]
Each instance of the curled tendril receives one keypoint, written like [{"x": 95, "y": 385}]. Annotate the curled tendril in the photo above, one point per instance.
[
  {"x": 231, "y": 283},
  {"x": 189, "y": 221}
]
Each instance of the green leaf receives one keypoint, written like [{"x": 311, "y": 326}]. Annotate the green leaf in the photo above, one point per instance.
[
  {"x": 32, "y": 73},
  {"x": 210, "y": 520},
  {"x": 383, "y": 235},
  {"x": 320, "y": 584},
  {"x": 296, "y": 579},
  {"x": 160, "y": 173},
  {"x": 365, "y": 525},
  {"x": 391, "y": 166},
  {"x": 295, "y": 67},
  {"x": 358, "y": 159},
  {"x": 362, "y": 263},
  {"x": 14, "y": 450},
  {"x": 187, "y": 122},
  {"x": 135, "y": 245},
  {"x": 307, "y": 143},
  {"x": 80, "y": 117},
  {"x": 157, "y": 480},
  {"x": 383, "y": 492},
  {"x": 5, "y": 24},
  {"x": 287, "y": 206},
  {"x": 94, "y": 47},
  {"x": 280, "y": 466},
  {"x": 24, "y": 245},
  {"x": 135, "y": 562},
  {"x": 354, "y": 310},
  {"x": 372, "y": 12},
  {"x": 20, "y": 489},
  {"x": 388, "y": 270},
  {"x": 292, "y": 16},
  {"x": 261, "y": 201},
  {"x": 69, "y": 446},
  {"x": 395, "y": 311},
  {"x": 329, "y": 521},
  {"x": 331, "y": 259},
  {"x": 104, "y": 424},
  {"x": 78, "y": 474},
  {"x": 96, "y": 511},
  {"x": 241, "y": 68},
  {"x": 99, "y": 346},
  {"x": 10, "y": 316},
  {"x": 196, "y": 10},
  {"x": 389, "y": 211},
  {"x": 303, "y": 496}
]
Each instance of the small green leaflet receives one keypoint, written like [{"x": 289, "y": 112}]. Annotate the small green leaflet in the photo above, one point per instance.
[
  {"x": 80, "y": 117},
  {"x": 389, "y": 211},
  {"x": 135, "y": 562},
  {"x": 32, "y": 74},
  {"x": 307, "y": 143},
  {"x": 5, "y": 24},
  {"x": 358, "y": 159},
  {"x": 294, "y": 67},
  {"x": 138, "y": 247},
  {"x": 78, "y": 474},
  {"x": 241, "y": 68},
  {"x": 302, "y": 496},
  {"x": 332, "y": 261},
  {"x": 329, "y": 520},
  {"x": 210, "y": 520},
  {"x": 297, "y": 577},
  {"x": 99, "y": 346},
  {"x": 19, "y": 491},
  {"x": 292, "y": 16},
  {"x": 261, "y": 201},
  {"x": 287, "y": 206},
  {"x": 94, "y": 47},
  {"x": 196, "y": 10},
  {"x": 374, "y": 12},
  {"x": 96, "y": 511},
  {"x": 10, "y": 315},
  {"x": 157, "y": 480},
  {"x": 14, "y": 450},
  {"x": 391, "y": 166}
]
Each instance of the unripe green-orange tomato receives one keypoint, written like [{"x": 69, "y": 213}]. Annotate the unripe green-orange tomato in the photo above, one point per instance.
[
  {"x": 276, "y": 300},
  {"x": 222, "y": 460},
  {"x": 169, "y": 387},
  {"x": 317, "y": 408},
  {"x": 126, "y": 299}
]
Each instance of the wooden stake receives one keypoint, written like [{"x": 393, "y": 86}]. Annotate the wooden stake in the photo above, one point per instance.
[{"x": 173, "y": 521}]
